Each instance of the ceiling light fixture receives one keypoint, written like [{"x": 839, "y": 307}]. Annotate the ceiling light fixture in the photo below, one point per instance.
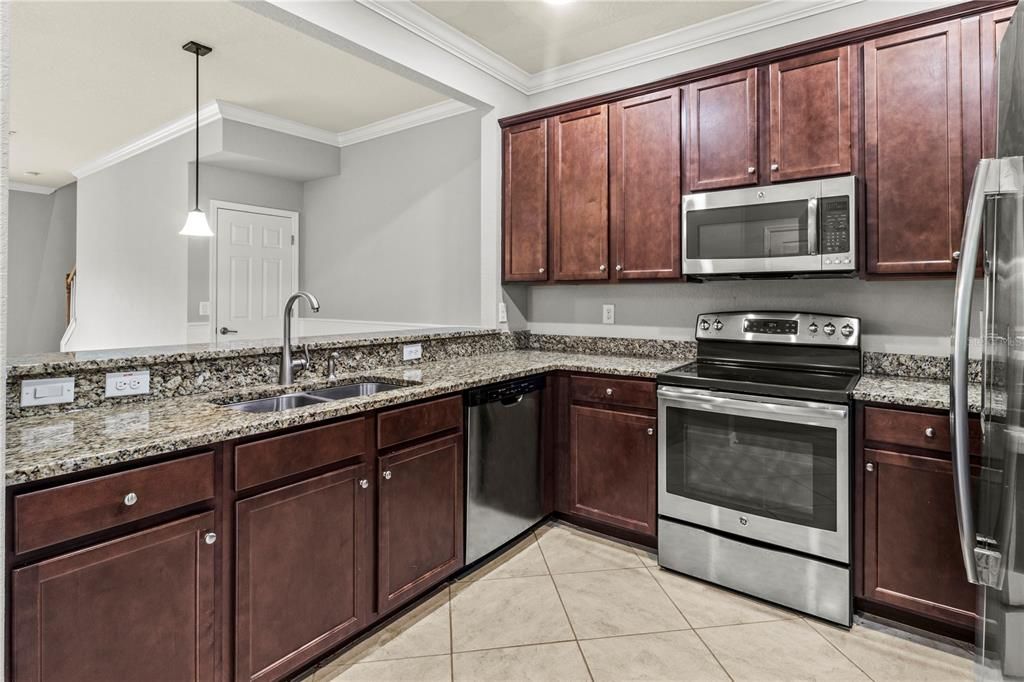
[{"x": 196, "y": 224}]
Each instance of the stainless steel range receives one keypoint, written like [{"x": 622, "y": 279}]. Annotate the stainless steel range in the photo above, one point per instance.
[{"x": 754, "y": 458}]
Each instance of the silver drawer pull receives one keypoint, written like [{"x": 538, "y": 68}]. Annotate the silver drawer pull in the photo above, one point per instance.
[
  {"x": 650, "y": 432},
  {"x": 387, "y": 475},
  {"x": 870, "y": 466},
  {"x": 929, "y": 432},
  {"x": 130, "y": 499},
  {"x": 363, "y": 483},
  {"x": 608, "y": 391},
  {"x": 210, "y": 537}
]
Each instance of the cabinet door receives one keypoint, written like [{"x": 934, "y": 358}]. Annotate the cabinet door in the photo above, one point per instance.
[
  {"x": 810, "y": 115},
  {"x": 993, "y": 27},
  {"x": 137, "y": 608},
  {"x": 913, "y": 150},
  {"x": 579, "y": 194},
  {"x": 721, "y": 138},
  {"x": 645, "y": 186},
  {"x": 911, "y": 543},
  {"x": 303, "y": 572},
  {"x": 525, "y": 202},
  {"x": 613, "y": 468},
  {"x": 420, "y": 519}
]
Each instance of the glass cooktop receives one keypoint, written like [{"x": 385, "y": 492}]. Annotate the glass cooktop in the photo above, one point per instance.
[{"x": 759, "y": 380}]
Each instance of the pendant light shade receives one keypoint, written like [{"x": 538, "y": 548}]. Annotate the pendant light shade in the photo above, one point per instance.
[{"x": 196, "y": 224}]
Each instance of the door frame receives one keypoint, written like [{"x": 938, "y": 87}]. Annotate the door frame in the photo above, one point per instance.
[{"x": 215, "y": 206}]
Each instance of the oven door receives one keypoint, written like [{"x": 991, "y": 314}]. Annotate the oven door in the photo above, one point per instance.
[
  {"x": 767, "y": 469},
  {"x": 757, "y": 229}
]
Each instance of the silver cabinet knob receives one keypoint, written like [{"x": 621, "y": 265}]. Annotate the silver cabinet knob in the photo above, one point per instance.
[
  {"x": 870, "y": 466},
  {"x": 956, "y": 255},
  {"x": 929, "y": 432},
  {"x": 650, "y": 432},
  {"x": 775, "y": 166},
  {"x": 602, "y": 267},
  {"x": 210, "y": 537},
  {"x": 750, "y": 170},
  {"x": 608, "y": 391},
  {"x": 387, "y": 475},
  {"x": 363, "y": 483},
  {"x": 618, "y": 268},
  {"x": 130, "y": 499},
  {"x": 540, "y": 270}
]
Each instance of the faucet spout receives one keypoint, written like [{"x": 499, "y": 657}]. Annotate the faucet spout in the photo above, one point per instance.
[{"x": 286, "y": 375}]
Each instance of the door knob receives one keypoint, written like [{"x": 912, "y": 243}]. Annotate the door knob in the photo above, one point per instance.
[
  {"x": 618, "y": 268},
  {"x": 602, "y": 267},
  {"x": 775, "y": 166},
  {"x": 210, "y": 538},
  {"x": 387, "y": 475},
  {"x": 225, "y": 330},
  {"x": 929, "y": 432},
  {"x": 750, "y": 170},
  {"x": 130, "y": 499},
  {"x": 956, "y": 255},
  {"x": 608, "y": 391},
  {"x": 650, "y": 432},
  {"x": 870, "y": 466},
  {"x": 363, "y": 483},
  {"x": 540, "y": 270}
]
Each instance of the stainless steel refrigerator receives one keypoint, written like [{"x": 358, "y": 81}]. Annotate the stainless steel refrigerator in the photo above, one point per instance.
[{"x": 990, "y": 491}]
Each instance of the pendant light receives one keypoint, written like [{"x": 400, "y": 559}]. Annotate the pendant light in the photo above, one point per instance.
[{"x": 196, "y": 224}]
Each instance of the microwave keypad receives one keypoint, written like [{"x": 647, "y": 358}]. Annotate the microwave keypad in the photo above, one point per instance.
[{"x": 835, "y": 224}]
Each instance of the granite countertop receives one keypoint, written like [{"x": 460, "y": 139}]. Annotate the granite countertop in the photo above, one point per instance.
[
  {"x": 44, "y": 446},
  {"x": 912, "y": 392}
]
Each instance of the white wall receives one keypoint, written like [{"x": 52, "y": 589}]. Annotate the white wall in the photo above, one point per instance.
[
  {"x": 42, "y": 233},
  {"x": 396, "y": 236}
]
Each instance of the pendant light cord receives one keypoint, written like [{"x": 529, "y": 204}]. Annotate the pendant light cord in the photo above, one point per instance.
[{"x": 197, "y": 130}]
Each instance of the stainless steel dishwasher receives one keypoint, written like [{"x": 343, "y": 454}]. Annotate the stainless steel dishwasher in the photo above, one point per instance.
[{"x": 504, "y": 495}]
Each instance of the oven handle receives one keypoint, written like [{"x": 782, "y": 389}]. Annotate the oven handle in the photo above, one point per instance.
[{"x": 755, "y": 405}]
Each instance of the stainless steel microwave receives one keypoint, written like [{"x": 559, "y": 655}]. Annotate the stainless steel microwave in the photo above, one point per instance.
[{"x": 797, "y": 228}]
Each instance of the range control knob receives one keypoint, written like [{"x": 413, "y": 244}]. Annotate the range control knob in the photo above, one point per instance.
[
  {"x": 813, "y": 327},
  {"x": 705, "y": 325},
  {"x": 846, "y": 331},
  {"x": 830, "y": 329},
  {"x": 718, "y": 325}
]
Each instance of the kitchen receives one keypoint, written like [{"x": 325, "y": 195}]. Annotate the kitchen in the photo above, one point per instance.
[{"x": 479, "y": 449}]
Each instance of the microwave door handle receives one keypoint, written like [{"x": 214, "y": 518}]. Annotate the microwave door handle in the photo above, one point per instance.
[
  {"x": 753, "y": 407},
  {"x": 986, "y": 180},
  {"x": 812, "y": 227}
]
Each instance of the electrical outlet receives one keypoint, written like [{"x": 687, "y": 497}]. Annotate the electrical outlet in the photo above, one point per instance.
[
  {"x": 47, "y": 391},
  {"x": 412, "y": 351},
  {"x": 608, "y": 313},
  {"x": 127, "y": 383},
  {"x": 502, "y": 312}
]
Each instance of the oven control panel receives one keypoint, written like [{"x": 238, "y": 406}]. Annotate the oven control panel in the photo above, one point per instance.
[{"x": 811, "y": 329}]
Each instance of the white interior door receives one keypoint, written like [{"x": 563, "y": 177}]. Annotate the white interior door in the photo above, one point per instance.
[{"x": 256, "y": 271}]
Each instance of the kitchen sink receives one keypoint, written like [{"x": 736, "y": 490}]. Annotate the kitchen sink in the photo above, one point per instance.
[{"x": 303, "y": 399}]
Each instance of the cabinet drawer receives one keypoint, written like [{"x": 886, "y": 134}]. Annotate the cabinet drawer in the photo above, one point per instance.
[
  {"x": 914, "y": 429},
  {"x": 65, "y": 512},
  {"x": 418, "y": 421},
  {"x": 275, "y": 458},
  {"x": 625, "y": 392}
]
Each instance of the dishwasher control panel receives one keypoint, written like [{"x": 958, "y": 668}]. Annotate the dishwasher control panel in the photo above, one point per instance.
[{"x": 502, "y": 391}]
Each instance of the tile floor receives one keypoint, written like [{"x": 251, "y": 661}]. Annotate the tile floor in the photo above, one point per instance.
[{"x": 564, "y": 605}]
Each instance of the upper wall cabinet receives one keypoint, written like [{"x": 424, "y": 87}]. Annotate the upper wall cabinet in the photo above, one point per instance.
[
  {"x": 721, "y": 132},
  {"x": 578, "y": 192},
  {"x": 809, "y": 122},
  {"x": 645, "y": 186},
  {"x": 525, "y": 202},
  {"x": 992, "y": 27},
  {"x": 913, "y": 150}
]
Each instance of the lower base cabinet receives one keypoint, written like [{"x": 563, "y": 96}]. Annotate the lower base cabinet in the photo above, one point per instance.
[
  {"x": 140, "y": 607},
  {"x": 420, "y": 519},
  {"x": 304, "y": 572}
]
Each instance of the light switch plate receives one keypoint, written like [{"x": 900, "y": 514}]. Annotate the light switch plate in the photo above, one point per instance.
[
  {"x": 412, "y": 351},
  {"x": 608, "y": 313},
  {"x": 47, "y": 391},
  {"x": 127, "y": 383},
  {"x": 204, "y": 307}
]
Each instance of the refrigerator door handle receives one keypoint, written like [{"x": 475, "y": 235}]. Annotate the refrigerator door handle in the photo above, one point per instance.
[{"x": 986, "y": 182}]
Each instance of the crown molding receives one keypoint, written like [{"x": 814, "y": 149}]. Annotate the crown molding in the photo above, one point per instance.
[
  {"x": 410, "y": 119},
  {"x": 424, "y": 24},
  {"x": 236, "y": 112},
  {"x": 27, "y": 187}
]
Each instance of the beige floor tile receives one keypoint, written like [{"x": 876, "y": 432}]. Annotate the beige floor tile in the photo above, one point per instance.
[
  {"x": 424, "y": 631},
  {"x": 425, "y": 669},
  {"x": 705, "y": 605},
  {"x": 488, "y": 614},
  {"x": 778, "y": 650},
  {"x": 656, "y": 656},
  {"x": 559, "y": 662},
  {"x": 648, "y": 556},
  {"x": 571, "y": 550},
  {"x": 519, "y": 561},
  {"x": 621, "y": 602},
  {"x": 887, "y": 657}
]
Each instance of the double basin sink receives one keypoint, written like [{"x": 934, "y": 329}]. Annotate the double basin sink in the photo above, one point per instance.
[{"x": 289, "y": 401}]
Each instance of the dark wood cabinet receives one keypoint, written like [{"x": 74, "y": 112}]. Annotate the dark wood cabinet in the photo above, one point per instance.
[
  {"x": 303, "y": 571},
  {"x": 721, "y": 138},
  {"x": 578, "y": 186},
  {"x": 612, "y": 468},
  {"x": 992, "y": 28},
  {"x": 420, "y": 519},
  {"x": 810, "y": 115},
  {"x": 911, "y": 555},
  {"x": 525, "y": 202},
  {"x": 913, "y": 150},
  {"x": 140, "y": 607},
  {"x": 645, "y": 188}
]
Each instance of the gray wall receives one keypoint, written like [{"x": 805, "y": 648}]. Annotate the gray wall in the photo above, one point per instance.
[
  {"x": 240, "y": 187},
  {"x": 396, "y": 237},
  {"x": 42, "y": 235}
]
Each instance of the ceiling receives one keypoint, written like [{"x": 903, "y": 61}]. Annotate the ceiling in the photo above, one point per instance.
[
  {"x": 538, "y": 34},
  {"x": 90, "y": 77}
]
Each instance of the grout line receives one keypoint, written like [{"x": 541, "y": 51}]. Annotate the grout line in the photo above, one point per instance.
[
  {"x": 507, "y": 646},
  {"x": 586, "y": 663},
  {"x": 836, "y": 647},
  {"x": 714, "y": 655}
]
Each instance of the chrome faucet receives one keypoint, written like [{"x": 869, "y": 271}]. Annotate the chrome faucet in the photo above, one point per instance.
[{"x": 288, "y": 365}]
